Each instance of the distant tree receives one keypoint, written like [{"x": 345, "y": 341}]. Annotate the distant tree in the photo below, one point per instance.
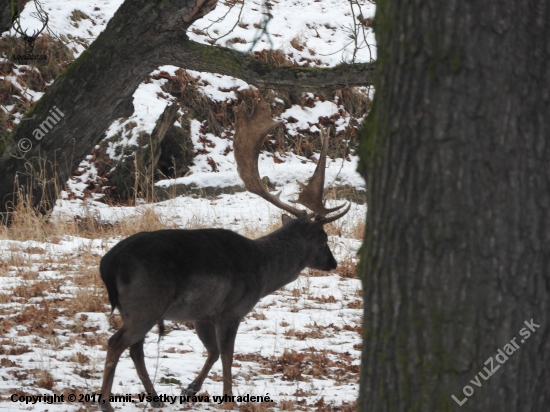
[
  {"x": 456, "y": 155},
  {"x": 97, "y": 88}
]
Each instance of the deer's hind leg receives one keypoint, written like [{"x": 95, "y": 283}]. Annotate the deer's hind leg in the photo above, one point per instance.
[
  {"x": 207, "y": 334},
  {"x": 131, "y": 334},
  {"x": 117, "y": 345},
  {"x": 136, "y": 353}
]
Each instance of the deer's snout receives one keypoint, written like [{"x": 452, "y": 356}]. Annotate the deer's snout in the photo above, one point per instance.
[
  {"x": 326, "y": 260},
  {"x": 331, "y": 264}
]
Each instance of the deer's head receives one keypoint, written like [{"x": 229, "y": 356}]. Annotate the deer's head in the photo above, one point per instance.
[
  {"x": 312, "y": 233},
  {"x": 29, "y": 39}
]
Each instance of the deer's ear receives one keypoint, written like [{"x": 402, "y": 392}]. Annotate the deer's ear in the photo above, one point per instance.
[{"x": 285, "y": 218}]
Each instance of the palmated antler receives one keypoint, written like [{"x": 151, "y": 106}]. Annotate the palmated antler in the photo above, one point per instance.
[{"x": 250, "y": 133}]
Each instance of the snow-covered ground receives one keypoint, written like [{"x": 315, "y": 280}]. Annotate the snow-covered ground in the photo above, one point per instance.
[{"x": 300, "y": 345}]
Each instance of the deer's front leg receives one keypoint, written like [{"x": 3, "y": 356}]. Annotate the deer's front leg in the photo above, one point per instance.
[
  {"x": 226, "y": 331},
  {"x": 207, "y": 334}
]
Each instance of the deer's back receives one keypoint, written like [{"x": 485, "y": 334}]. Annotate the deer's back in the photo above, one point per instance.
[{"x": 196, "y": 269}]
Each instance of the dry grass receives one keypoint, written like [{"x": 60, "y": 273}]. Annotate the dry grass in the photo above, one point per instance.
[
  {"x": 235, "y": 40},
  {"x": 273, "y": 57},
  {"x": 353, "y": 231},
  {"x": 28, "y": 224},
  {"x": 44, "y": 379},
  {"x": 78, "y": 15},
  {"x": 254, "y": 233},
  {"x": 298, "y": 43},
  {"x": 347, "y": 269},
  {"x": 146, "y": 221}
]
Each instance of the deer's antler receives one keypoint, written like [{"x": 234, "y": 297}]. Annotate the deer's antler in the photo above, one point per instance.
[
  {"x": 17, "y": 27},
  {"x": 311, "y": 195},
  {"x": 250, "y": 132}
]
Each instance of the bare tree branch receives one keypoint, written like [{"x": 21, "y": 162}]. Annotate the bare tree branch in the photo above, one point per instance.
[{"x": 195, "y": 56}]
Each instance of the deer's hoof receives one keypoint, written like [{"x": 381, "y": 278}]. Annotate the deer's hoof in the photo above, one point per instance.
[
  {"x": 227, "y": 406},
  {"x": 105, "y": 407},
  {"x": 190, "y": 390},
  {"x": 157, "y": 404}
]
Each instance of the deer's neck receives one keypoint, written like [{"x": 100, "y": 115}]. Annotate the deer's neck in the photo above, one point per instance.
[{"x": 283, "y": 258}]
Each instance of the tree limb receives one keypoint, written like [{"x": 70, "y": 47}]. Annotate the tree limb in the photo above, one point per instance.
[{"x": 195, "y": 56}]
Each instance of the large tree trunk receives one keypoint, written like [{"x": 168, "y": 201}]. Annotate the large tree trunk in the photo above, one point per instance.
[
  {"x": 97, "y": 88},
  {"x": 457, "y": 247}
]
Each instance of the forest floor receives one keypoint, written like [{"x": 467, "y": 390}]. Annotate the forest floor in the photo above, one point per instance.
[{"x": 300, "y": 346}]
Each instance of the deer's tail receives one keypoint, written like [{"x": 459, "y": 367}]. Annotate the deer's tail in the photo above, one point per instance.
[
  {"x": 160, "y": 325},
  {"x": 108, "y": 276}
]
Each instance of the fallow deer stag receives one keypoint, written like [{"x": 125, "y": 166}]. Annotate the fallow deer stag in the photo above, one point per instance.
[{"x": 213, "y": 277}]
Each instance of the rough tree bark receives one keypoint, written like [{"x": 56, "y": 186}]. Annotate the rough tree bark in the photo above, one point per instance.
[
  {"x": 97, "y": 88},
  {"x": 7, "y": 15},
  {"x": 457, "y": 247}
]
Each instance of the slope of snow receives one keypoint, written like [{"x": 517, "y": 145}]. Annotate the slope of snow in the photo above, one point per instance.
[
  {"x": 307, "y": 29},
  {"x": 299, "y": 345}
]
